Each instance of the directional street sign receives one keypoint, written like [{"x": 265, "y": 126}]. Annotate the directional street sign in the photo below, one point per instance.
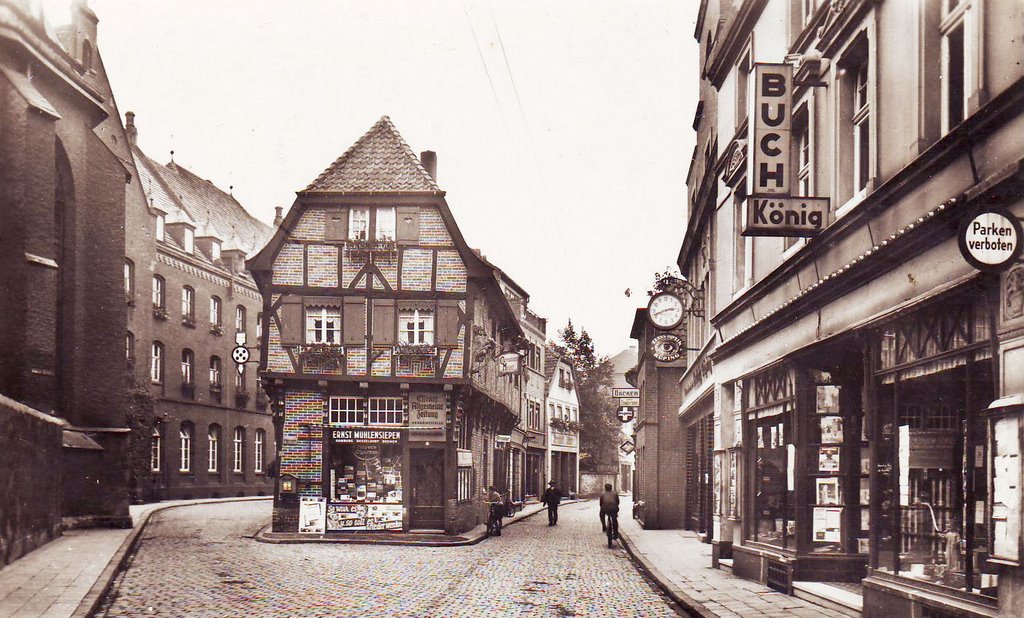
[
  {"x": 240, "y": 338},
  {"x": 627, "y": 447},
  {"x": 620, "y": 393},
  {"x": 626, "y": 414},
  {"x": 629, "y": 402},
  {"x": 240, "y": 355}
]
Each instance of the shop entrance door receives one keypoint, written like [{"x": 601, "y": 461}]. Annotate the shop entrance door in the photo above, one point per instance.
[{"x": 427, "y": 489}]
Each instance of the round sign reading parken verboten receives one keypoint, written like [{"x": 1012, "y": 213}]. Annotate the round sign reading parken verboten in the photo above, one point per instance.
[{"x": 990, "y": 239}]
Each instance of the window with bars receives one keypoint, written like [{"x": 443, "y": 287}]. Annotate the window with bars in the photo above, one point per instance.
[
  {"x": 465, "y": 481},
  {"x": 386, "y": 411},
  {"x": 346, "y": 411},
  {"x": 323, "y": 325},
  {"x": 463, "y": 433}
]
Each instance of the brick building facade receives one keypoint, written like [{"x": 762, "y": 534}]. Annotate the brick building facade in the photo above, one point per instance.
[{"x": 382, "y": 336}]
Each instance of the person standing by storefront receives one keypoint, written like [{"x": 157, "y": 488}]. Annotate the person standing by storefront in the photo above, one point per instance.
[{"x": 552, "y": 497}]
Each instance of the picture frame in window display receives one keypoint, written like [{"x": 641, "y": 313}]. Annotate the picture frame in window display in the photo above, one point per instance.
[
  {"x": 827, "y": 399},
  {"x": 826, "y": 525},
  {"x": 828, "y": 459},
  {"x": 831, "y": 429},
  {"x": 827, "y": 491}
]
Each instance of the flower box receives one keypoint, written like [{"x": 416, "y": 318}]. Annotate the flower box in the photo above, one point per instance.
[
  {"x": 216, "y": 329},
  {"x": 188, "y": 321},
  {"x": 415, "y": 350},
  {"x": 159, "y": 313},
  {"x": 323, "y": 354}
]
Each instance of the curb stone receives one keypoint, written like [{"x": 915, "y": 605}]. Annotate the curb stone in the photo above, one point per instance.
[
  {"x": 90, "y": 603},
  {"x": 684, "y": 601}
]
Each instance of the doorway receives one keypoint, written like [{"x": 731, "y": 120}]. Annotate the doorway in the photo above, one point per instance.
[{"x": 427, "y": 489}]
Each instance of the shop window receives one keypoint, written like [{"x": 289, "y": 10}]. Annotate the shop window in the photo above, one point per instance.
[
  {"x": 156, "y": 366},
  {"x": 366, "y": 483},
  {"x": 323, "y": 325},
  {"x": 213, "y": 449},
  {"x": 347, "y": 411},
  {"x": 385, "y": 223},
  {"x": 155, "y": 448},
  {"x": 771, "y": 399},
  {"x": 237, "y": 450},
  {"x": 359, "y": 224},
  {"x": 934, "y": 375},
  {"x": 386, "y": 411},
  {"x": 258, "y": 446},
  {"x": 416, "y": 326},
  {"x": 185, "y": 447}
]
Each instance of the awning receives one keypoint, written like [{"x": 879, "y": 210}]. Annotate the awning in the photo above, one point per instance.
[
  {"x": 1007, "y": 404},
  {"x": 79, "y": 440}
]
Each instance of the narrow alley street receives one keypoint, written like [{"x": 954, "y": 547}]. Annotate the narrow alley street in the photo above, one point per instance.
[{"x": 204, "y": 561}]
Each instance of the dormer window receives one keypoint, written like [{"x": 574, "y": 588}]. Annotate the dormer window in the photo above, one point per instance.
[
  {"x": 190, "y": 240},
  {"x": 87, "y": 55},
  {"x": 215, "y": 250},
  {"x": 161, "y": 221}
]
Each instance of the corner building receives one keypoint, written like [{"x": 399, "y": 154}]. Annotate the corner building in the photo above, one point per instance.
[
  {"x": 388, "y": 350},
  {"x": 866, "y": 380}
]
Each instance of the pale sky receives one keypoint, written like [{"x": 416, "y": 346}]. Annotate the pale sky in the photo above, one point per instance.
[{"x": 562, "y": 129}]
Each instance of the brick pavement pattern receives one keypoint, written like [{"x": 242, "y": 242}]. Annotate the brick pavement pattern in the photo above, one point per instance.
[{"x": 203, "y": 561}]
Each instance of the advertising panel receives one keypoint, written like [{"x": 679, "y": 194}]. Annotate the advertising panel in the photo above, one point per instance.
[
  {"x": 770, "y": 128},
  {"x": 427, "y": 410}
]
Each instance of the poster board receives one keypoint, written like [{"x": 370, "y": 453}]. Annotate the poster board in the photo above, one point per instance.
[
  {"x": 828, "y": 459},
  {"x": 427, "y": 411},
  {"x": 827, "y": 525},
  {"x": 312, "y": 515},
  {"x": 1006, "y": 495}
]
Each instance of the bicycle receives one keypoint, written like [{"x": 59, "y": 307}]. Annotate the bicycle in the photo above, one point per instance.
[
  {"x": 611, "y": 527},
  {"x": 496, "y": 511}
]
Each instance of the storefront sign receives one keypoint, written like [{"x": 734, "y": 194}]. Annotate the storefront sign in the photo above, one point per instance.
[
  {"x": 465, "y": 458},
  {"x": 378, "y": 436},
  {"x": 312, "y": 515},
  {"x": 502, "y": 438},
  {"x": 990, "y": 239},
  {"x": 932, "y": 449},
  {"x": 427, "y": 410},
  {"x": 770, "y": 129},
  {"x": 508, "y": 363},
  {"x": 785, "y": 216},
  {"x": 620, "y": 393}
]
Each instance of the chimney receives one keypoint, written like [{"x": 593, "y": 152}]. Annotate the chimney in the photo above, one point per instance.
[
  {"x": 129, "y": 127},
  {"x": 429, "y": 160},
  {"x": 277, "y": 216}
]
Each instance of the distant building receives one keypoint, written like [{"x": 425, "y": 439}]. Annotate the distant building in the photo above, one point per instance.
[
  {"x": 391, "y": 352},
  {"x": 189, "y": 297},
  {"x": 623, "y": 363},
  {"x": 563, "y": 410}
]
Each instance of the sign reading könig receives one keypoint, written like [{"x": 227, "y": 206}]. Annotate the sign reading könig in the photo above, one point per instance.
[{"x": 772, "y": 210}]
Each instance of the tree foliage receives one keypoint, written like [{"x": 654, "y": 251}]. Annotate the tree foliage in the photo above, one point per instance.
[{"x": 599, "y": 428}]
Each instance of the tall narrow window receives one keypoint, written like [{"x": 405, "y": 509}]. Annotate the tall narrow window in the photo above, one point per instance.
[
  {"x": 156, "y": 367},
  {"x": 259, "y": 326},
  {"x": 129, "y": 280},
  {"x": 187, "y": 374},
  {"x": 159, "y": 292},
  {"x": 239, "y": 319},
  {"x": 743, "y": 68},
  {"x": 237, "y": 450},
  {"x": 161, "y": 222},
  {"x": 954, "y": 62},
  {"x": 740, "y": 242},
  {"x": 190, "y": 240},
  {"x": 213, "y": 449},
  {"x": 416, "y": 326},
  {"x": 358, "y": 223},
  {"x": 185, "y": 448},
  {"x": 261, "y": 437},
  {"x": 215, "y": 316},
  {"x": 215, "y": 372},
  {"x": 154, "y": 450},
  {"x": 188, "y": 306},
  {"x": 386, "y": 223},
  {"x": 129, "y": 345},
  {"x": 323, "y": 325},
  {"x": 861, "y": 128}
]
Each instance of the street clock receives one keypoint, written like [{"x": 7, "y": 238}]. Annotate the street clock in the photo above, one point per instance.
[{"x": 665, "y": 310}]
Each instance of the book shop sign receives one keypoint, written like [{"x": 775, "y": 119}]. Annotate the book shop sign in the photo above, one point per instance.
[
  {"x": 990, "y": 239},
  {"x": 372, "y": 436}
]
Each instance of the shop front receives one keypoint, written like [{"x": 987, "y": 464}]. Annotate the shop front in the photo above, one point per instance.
[{"x": 366, "y": 479}]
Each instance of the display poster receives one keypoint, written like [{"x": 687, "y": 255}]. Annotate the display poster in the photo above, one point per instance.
[
  {"x": 427, "y": 410},
  {"x": 904, "y": 464},
  {"x": 865, "y": 491},
  {"x": 826, "y": 525},
  {"x": 312, "y": 515},
  {"x": 865, "y": 519},
  {"x": 831, "y": 429},
  {"x": 828, "y": 491},
  {"x": 827, "y": 399},
  {"x": 828, "y": 459},
  {"x": 932, "y": 449},
  {"x": 863, "y": 545},
  {"x": 464, "y": 458},
  {"x": 354, "y": 517},
  {"x": 775, "y": 436},
  {"x": 790, "y": 467},
  {"x": 733, "y": 484},
  {"x": 1006, "y": 468}
]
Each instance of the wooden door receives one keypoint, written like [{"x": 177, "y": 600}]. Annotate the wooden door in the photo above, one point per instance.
[{"x": 427, "y": 489}]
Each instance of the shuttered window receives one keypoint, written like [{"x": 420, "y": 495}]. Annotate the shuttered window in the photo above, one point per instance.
[
  {"x": 447, "y": 326},
  {"x": 290, "y": 316},
  {"x": 337, "y": 224},
  {"x": 408, "y": 224},
  {"x": 384, "y": 321},
  {"x": 354, "y": 321}
]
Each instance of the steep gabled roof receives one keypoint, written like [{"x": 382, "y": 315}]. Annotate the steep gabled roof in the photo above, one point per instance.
[
  {"x": 379, "y": 161},
  {"x": 176, "y": 190}
]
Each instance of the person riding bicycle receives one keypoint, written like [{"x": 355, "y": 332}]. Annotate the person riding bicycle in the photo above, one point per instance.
[
  {"x": 609, "y": 502},
  {"x": 496, "y": 510}
]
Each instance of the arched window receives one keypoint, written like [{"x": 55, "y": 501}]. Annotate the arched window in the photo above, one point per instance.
[
  {"x": 214, "y": 372},
  {"x": 238, "y": 449},
  {"x": 155, "y": 449},
  {"x": 261, "y": 439},
  {"x": 239, "y": 319},
  {"x": 215, "y": 319},
  {"x": 187, "y": 363},
  {"x": 129, "y": 346},
  {"x": 213, "y": 450},
  {"x": 156, "y": 366},
  {"x": 159, "y": 292},
  {"x": 185, "y": 447},
  {"x": 188, "y": 306}
]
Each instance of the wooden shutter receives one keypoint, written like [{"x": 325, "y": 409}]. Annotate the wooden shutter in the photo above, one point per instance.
[
  {"x": 354, "y": 321},
  {"x": 447, "y": 324},
  {"x": 384, "y": 321},
  {"x": 337, "y": 224},
  {"x": 289, "y": 313},
  {"x": 408, "y": 224}
]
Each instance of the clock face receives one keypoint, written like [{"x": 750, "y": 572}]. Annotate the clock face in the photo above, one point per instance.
[
  {"x": 667, "y": 348},
  {"x": 665, "y": 311}
]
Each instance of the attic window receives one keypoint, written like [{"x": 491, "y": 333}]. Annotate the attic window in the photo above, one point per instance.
[
  {"x": 87, "y": 56},
  {"x": 190, "y": 240},
  {"x": 160, "y": 222},
  {"x": 215, "y": 250}
]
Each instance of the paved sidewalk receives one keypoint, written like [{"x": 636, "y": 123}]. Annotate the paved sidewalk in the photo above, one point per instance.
[
  {"x": 66, "y": 577},
  {"x": 681, "y": 565}
]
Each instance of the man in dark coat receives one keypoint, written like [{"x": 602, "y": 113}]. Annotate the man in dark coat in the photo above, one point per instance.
[
  {"x": 552, "y": 497},
  {"x": 609, "y": 503}
]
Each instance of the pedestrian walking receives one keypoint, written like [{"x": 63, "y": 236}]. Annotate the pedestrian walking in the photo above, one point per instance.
[
  {"x": 552, "y": 497},
  {"x": 609, "y": 503}
]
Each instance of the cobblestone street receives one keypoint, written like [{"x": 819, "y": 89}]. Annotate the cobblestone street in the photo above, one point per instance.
[{"x": 203, "y": 561}]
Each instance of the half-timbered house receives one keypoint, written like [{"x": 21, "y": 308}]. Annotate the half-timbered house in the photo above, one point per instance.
[{"x": 391, "y": 354}]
